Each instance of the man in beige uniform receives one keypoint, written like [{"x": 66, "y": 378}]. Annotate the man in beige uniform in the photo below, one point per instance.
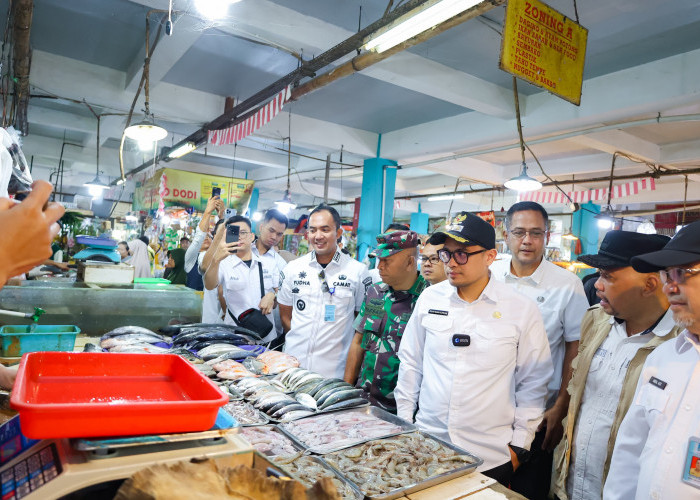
[{"x": 617, "y": 335}]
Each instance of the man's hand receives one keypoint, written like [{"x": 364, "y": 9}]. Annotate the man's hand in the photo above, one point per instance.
[
  {"x": 28, "y": 229},
  {"x": 551, "y": 421},
  {"x": 220, "y": 207},
  {"x": 267, "y": 303},
  {"x": 225, "y": 249},
  {"x": 514, "y": 459},
  {"x": 211, "y": 205},
  {"x": 7, "y": 376}
]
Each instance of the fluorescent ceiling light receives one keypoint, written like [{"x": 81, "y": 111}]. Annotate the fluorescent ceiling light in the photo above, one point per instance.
[
  {"x": 182, "y": 150},
  {"x": 418, "y": 23},
  {"x": 523, "y": 182},
  {"x": 443, "y": 197},
  {"x": 286, "y": 205},
  {"x": 145, "y": 131},
  {"x": 213, "y": 9}
]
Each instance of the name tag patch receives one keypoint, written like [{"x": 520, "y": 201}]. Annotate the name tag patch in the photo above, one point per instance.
[
  {"x": 438, "y": 312},
  {"x": 461, "y": 340},
  {"x": 658, "y": 383}
]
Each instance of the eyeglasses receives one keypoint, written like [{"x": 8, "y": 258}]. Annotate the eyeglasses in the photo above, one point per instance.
[
  {"x": 535, "y": 234},
  {"x": 677, "y": 274},
  {"x": 244, "y": 233},
  {"x": 433, "y": 259},
  {"x": 460, "y": 256},
  {"x": 324, "y": 283}
]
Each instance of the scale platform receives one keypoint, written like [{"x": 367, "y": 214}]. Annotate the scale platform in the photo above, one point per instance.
[{"x": 95, "y": 468}]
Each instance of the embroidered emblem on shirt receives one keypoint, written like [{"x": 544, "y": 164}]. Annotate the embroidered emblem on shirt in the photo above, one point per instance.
[
  {"x": 438, "y": 312},
  {"x": 295, "y": 290},
  {"x": 367, "y": 282},
  {"x": 342, "y": 277},
  {"x": 540, "y": 299},
  {"x": 301, "y": 305},
  {"x": 496, "y": 315},
  {"x": 302, "y": 275},
  {"x": 658, "y": 383}
]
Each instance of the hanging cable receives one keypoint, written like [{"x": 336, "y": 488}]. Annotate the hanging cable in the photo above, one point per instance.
[
  {"x": 517, "y": 117},
  {"x": 576, "y": 12},
  {"x": 685, "y": 199}
]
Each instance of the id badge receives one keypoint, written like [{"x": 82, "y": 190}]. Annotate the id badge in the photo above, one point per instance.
[
  {"x": 691, "y": 471},
  {"x": 329, "y": 313}
]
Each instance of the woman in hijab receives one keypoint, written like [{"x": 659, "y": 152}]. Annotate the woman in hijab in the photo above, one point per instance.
[
  {"x": 139, "y": 259},
  {"x": 176, "y": 263}
]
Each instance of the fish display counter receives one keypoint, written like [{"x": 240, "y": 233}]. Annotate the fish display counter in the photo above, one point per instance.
[
  {"x": 98, "y": 309},
  {"x": 312, "y": 429}
]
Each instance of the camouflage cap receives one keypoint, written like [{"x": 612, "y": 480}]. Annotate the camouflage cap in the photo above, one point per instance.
[{"x": 394, "y": 242}]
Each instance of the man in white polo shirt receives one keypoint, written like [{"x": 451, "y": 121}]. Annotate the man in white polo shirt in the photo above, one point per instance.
[
  {"x": 474, "y": 356},
  {"x": 562, "y": 301},
  {"x": 319, "y": 296},
  {"x": 238, "y": 273}
]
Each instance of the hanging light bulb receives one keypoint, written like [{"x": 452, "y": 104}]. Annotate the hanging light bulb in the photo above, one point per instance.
[
  {"x": 286, "y": 205},
  {"x": 145, "y": 131},
  {"x": 569, "y": 236},
  {"x": 523, "y": 182}
]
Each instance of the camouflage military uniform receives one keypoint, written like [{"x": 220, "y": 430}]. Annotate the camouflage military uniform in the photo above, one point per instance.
[{"x": 382, "y": 320}]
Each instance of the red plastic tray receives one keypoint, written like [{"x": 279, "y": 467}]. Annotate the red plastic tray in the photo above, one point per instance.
[{"x": 66, "y": 394}]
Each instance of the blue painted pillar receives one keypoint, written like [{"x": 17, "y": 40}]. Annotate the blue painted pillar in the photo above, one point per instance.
[
  {"x": 419, "y": 221},
  {"x": 376, "y": 203},
  {"x": 585, "y": 226},
  {"x": 253, "y": 206}
]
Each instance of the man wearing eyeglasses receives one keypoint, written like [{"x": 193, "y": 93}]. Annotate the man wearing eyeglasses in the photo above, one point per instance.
[
  {"x": 236, "y": 270},
  {"x": 562, "y": 301},
  {"x": 617, "y": 335},
  {"x": 657, "y": 451},
  {"x": 474, "y": 355},
  {"x": 319, "y": 295},
  {"x": 431, "y": 267},
  {"x": 383, "y": 317}
]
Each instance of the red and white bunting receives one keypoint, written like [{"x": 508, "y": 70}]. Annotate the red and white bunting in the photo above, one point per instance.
[
  {"x": 251, "y": 124},
  {"x": 619, "y": 191}
]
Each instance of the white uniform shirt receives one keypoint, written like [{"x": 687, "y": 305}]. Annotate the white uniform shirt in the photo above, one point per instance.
[
  {"x": 601, "y": 397},
  {"x": 487, "y": 395},
  {"x": 319, "y": 342},
  {"x": 562, "y": 301},
  {"x": 211, "y": 309},
  {"x": 241, "y": 285},
  {"x": 272, "y": 263},
  {"x": 374, "y": 274},
  {"x": 652, "y": 444}
]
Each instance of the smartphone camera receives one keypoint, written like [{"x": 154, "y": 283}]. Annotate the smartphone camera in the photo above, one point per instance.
[
  {"x": 232, "y": 234},
  {"x": 215, "y": 191}
]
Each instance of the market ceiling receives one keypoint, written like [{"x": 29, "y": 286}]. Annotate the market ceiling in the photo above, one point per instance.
[{"x": 443, "y": 108}]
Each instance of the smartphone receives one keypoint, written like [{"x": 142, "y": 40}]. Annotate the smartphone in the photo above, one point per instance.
[
  {"x": 232, "y": 233},
  {"x": 215, "y": 192}
]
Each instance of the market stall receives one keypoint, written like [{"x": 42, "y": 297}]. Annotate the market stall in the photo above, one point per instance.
[{"x": 275, "y": 417}]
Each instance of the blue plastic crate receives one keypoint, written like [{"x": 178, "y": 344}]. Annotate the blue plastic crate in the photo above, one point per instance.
[{"x": 18, "y": 339}]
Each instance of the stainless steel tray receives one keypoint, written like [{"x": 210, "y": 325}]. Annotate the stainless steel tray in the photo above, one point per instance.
[
  {"x": 421, "y": 485},
  {"x": 356, "y": 493},
  {"x": 369, "y": 410},
  {"x": 265, "y": 421},
  {"x": 299, "y": 450}
]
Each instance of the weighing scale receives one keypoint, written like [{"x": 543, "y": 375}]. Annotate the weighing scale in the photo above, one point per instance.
[
  {"x": 95, "y": 468},
  {"x": 99, "y": 249}
]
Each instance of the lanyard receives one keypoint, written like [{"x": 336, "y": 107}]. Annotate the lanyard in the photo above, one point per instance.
[{"x": 326, "y": 288}]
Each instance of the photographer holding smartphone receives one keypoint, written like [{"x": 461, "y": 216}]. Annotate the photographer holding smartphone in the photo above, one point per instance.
[{"x": 239, "y": 275}]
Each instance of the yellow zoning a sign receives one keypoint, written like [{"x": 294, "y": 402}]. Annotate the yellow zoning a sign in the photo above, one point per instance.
[{"x": 544, "y": 47}]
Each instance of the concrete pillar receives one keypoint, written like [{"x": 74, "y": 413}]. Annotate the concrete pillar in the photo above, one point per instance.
[
  {"x": 585, "y": 226},
  {"x": 376, "y": 203},
  {"x": 419, "y": 222}
]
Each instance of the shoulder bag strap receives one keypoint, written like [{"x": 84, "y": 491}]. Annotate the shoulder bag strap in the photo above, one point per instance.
[{"x": 262, "y": 287}]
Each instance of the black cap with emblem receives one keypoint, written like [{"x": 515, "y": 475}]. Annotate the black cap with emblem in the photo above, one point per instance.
[{"x": 469, "y": 229}]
